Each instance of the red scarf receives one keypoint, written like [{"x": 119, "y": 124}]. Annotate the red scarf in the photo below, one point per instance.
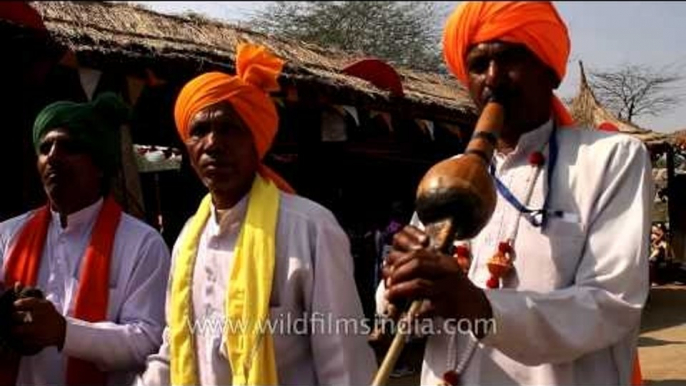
[{"x": 92, "y": 295}]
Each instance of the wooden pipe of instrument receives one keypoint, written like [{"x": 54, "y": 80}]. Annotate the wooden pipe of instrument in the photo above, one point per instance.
[{"x": 455, "y": 200}]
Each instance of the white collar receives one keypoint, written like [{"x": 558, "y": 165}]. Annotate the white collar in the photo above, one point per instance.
[{"x": 82, "y": 216}]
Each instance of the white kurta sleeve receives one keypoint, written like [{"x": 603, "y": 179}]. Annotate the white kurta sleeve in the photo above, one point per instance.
[
  {"x": 157, "y": 372},
  {"x": 9, "y": 230},
  {"x": 138, "y": 330},
  {"x": 342, "y": 356},
  {"x": 611, "y": 282},
  {"x": 158, "y": 366}
]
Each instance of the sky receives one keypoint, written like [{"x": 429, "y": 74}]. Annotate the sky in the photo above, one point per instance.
[{"x": 605, "y": 35}]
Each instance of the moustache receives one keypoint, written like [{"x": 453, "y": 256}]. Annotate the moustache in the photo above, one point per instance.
[
  {"x": 52, "y": 171},
  {"x": 213, "y": 162},
  {"x": 502, "y": 95}
]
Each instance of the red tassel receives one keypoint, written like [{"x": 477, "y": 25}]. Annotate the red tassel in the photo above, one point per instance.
[
  {"x": 462, "y": 250},
  {"x": 504, "y": 247},
  {"x": 451, "y": 378},
  {"x": 536, "y": 158},
  {"x": 493, "y": 282}
]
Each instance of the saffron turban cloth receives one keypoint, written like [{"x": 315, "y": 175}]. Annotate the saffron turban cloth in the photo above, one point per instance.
[
  {"x": 536, "y": 25},
  {"x": 257, "y": 71},
  {"x": 95, "y": 126}
]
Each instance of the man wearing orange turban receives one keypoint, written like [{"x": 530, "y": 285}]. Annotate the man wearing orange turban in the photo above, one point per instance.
[
  {"x": 256, "y": 264},
  {"x": 572, "y": 220}
]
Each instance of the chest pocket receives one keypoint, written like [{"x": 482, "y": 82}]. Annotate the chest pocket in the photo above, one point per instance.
[
  {"x": 111, "y": 300},
  {"x": 566, "y": 238},
  {"x": 113, "y": 296},
  {"x": 546, "y": 259}
]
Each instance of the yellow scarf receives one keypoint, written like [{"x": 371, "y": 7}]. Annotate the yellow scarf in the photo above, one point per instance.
[{"x": 248, "y": 341}]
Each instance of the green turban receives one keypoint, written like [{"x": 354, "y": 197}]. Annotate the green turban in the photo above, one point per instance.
[{"x": 94, "y": 125}]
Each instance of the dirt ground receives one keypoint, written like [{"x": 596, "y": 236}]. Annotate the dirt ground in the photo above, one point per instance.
[{"x": 661, "y": 345}]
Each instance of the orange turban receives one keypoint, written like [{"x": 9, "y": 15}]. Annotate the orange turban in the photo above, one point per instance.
[
  {"x": 537, "y": 25},
  {"x": 257, "y": 71}
]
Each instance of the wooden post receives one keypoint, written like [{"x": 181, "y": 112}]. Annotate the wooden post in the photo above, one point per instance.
[{"x": 131, "y": 194}]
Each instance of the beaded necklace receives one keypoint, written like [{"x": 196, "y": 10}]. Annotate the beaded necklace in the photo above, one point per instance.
[{"x": 500, "y": 264}]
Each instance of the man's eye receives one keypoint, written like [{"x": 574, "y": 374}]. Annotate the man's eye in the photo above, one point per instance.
[
  {"x": 44, "y": 147},
  {"x": 64, "y": 146},
  {"x": 72, "y": 147},
  {"x": 200, "y": 130},
  {"x": 478, "y": 65},
  {"x": 514, "y": 56}
]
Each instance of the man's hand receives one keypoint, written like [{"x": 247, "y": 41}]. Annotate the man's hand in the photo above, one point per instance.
[
  {"x": 415, "y": 271},
  {"x": 40, "y": 325}
]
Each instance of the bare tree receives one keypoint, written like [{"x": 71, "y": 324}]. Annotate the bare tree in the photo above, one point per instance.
[
  {"x": 634, "y": 90},
  {"x": 406, "y": 33}
]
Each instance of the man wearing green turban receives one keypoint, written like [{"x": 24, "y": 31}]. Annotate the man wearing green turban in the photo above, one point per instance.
[
  {"x": 94, "y": 127},
  {"x": 103, "y": 273}
]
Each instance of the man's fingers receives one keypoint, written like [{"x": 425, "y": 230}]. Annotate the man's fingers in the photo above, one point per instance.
[
  {"x": 422, "y": 264},
  {"x": 410, "y": 238},
  {"x": 391, "y": 311},
  {"x": 391, "y": 258},
  {"x": 427, "y": 310},
  {"x": 418, "y": 235},
  {"x": 27, "y": 304},
  {"x": 414, "y": 289},
  {"x": 406, "y": 241},
  {"x": 386, "y": 272},
  {"x": 20, "y": 317}
]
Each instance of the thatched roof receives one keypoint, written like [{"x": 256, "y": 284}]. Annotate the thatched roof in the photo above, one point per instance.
[
  {"x": 100, "y": 32},
  {"x": 587, "y": 111}
]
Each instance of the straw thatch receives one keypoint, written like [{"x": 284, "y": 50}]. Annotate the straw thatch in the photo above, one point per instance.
[
  {"x": 588, "y": 112},
  {"x": 101, "y": 31}
]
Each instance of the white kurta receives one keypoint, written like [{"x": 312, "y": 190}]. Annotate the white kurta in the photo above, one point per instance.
[
  {"x": 569, "y": 313},
  {"x": 138, "y": 277},
  {"x": 313, "y": 275}
]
